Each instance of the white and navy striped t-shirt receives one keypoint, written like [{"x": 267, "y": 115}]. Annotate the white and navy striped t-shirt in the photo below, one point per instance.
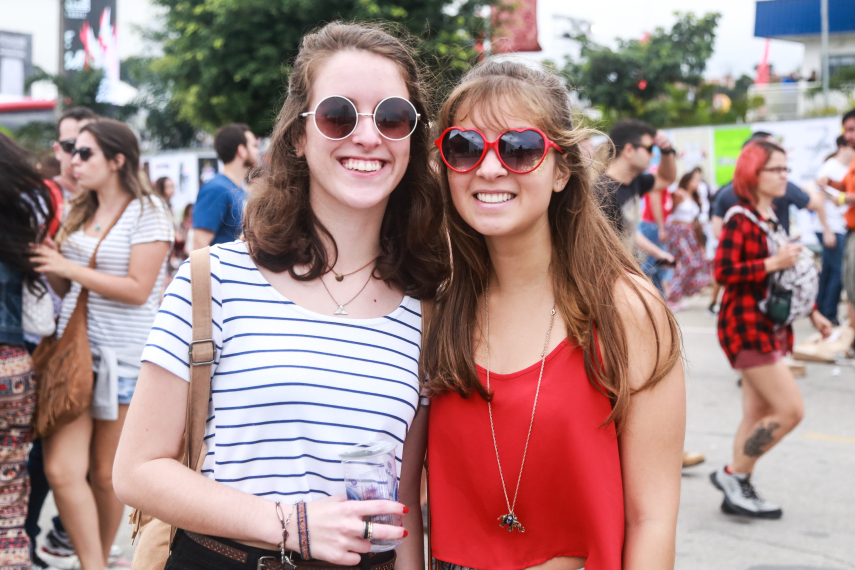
[
  {"x": 290, "y": 389},
  {"x": 114, "y": 324}
]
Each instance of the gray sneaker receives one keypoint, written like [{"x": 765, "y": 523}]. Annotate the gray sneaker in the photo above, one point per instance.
[{"x": 740, "y": 498}]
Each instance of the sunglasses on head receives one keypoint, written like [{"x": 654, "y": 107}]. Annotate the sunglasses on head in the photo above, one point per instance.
[
  {"x": 85, "y": 153},
  {"x": 67, "y": 146},
  {"x": 336, "y": 117},
  {"x": 519, "y": 150}
]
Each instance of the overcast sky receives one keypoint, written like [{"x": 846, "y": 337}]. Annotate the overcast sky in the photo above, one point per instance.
[{"x": 737, "y": 51}]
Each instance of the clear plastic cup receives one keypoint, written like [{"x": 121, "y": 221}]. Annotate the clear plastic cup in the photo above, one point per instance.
[{"x": 370, "y": 473}]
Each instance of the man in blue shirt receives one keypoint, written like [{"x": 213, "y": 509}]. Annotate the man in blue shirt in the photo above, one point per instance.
[{"x": 218, "y": 213}]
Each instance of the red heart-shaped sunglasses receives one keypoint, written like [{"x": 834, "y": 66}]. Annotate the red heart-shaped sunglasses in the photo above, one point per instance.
[{"x": 519, "y": 150}]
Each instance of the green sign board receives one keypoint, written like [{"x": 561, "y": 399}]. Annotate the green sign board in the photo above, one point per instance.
[{"x": 728, "y": 145}]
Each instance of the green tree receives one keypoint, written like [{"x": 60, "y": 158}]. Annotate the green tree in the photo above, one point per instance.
[
  {"x": 659, "y": 78},
  {"x": 77, "y": 90},
  {"x": 227, "y": 60},
  {"x": 166, "y": 129},
  {"x": 81, "y": 90}
]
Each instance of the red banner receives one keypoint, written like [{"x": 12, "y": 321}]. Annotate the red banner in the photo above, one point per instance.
[{"x": 514, "y": 24}]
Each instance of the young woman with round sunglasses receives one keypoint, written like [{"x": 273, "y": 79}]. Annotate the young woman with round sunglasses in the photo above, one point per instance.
[
  {"x": 124, "y": 293},
  {"x": 317, "y": 326},
  {"x": 558, "y": 413}
]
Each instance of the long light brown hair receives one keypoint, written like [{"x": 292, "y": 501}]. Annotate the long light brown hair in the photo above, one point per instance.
[
  {"x": 281, "y": 229},
  {"x": 113, "y": 138},
  {"x": 588, "y": 258}
]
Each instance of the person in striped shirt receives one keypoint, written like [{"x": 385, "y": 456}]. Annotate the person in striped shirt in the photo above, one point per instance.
[
  {"x": 124, "y": 292},
  {"x": 317, "y": 324}
]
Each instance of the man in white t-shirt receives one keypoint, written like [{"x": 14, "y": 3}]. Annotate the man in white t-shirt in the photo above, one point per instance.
[{"x": 831, "y": 278}]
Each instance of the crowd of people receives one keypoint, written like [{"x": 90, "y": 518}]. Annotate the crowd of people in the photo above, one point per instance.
[{"x": 336, "y": 318}]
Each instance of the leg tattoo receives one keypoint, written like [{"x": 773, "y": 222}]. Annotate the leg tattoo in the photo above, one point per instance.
[{"x": 756, "y": 445}]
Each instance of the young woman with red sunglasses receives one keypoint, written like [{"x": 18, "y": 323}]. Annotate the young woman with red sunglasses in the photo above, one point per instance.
[
  {"x": 317, "y": 325},
  {"x": 558, "y": 408}
]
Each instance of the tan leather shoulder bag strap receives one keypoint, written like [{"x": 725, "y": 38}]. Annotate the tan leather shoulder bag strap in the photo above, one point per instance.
[
  {"x": 203, "y": 353},
  {"x": 107, "y": 232},
  {"x": 83, "y": 297}
]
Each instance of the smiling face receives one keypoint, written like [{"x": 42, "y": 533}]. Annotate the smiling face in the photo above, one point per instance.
[
  {"x": 773, "y": 184},
  {"x": 96, "y": 172},
  {"x": 495, "y": 201},
  {"x": 360, "y": 171}
]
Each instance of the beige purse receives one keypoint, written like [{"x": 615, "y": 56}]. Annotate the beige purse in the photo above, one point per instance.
[{"x": 155, "y": 536}]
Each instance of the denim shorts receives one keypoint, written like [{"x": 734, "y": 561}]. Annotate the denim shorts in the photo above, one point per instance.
[{"x": 126, "y": 389}]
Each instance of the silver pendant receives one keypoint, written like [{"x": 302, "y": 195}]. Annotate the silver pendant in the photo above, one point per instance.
[
  {"x": 510, "y": 521},
  {"x": 340, "y": 310}
]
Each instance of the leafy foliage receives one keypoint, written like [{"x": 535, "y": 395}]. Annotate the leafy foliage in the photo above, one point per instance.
[
  {"x": 658, "y": 79},
  {"x": 81, "y": 90},
  {"x": 227, "y": 60},
  {"x": 166, "y": 129},
  {"x": 36, "y": 136}
]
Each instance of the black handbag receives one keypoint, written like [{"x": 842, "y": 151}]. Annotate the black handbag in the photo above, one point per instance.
[{"x": 778, "y": 304}]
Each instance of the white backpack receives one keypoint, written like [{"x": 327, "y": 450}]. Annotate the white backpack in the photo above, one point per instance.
[{"x": 795, "y": 287}]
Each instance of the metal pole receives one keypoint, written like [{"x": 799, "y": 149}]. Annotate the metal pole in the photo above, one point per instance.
[
  {"x": 825, "y": 72},
  {"x": 61, "y": 68}
]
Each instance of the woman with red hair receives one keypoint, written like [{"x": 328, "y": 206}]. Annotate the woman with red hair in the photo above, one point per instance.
[{"x": 772, "y": 404}]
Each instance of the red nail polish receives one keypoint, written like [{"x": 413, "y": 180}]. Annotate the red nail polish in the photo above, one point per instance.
[
  {"x": 406, "y": 534},
  {"x": 406, "y": 510}
]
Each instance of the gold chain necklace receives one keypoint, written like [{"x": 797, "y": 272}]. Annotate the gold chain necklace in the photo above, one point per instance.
[
  {"x": 340, "y": 311},
  {"x": 340, "y": 276},
  {"x": 510, "y": 519}
]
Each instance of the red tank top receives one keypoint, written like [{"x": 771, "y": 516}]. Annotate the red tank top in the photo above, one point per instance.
[
  {"x": 571, "y": 494},
  {"x": 667, "y": 208}
]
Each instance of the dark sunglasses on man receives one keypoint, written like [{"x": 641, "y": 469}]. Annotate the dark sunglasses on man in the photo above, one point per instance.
[
  {"x": 67, "y": 146},
  {"x": 648, "y": 148}
]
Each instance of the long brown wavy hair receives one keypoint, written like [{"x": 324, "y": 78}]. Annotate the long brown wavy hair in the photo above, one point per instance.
[
  {"x": 282, "y": 231},
  {"x": 588, "y": 258},
  {"x": 113, "y": 138}
]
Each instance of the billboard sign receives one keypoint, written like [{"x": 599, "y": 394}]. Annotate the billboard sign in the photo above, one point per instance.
[{"x": 16, "y": 62}]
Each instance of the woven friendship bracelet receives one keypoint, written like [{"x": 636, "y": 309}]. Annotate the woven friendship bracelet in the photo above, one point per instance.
[{"x": 303, "y": 527}]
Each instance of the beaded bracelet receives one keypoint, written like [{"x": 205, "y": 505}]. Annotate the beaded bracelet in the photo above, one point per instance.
[{"x": 303, "y": 527}]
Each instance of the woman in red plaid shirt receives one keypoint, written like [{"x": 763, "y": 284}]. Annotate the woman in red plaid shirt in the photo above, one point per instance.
[{"x": 754, "y": 345}]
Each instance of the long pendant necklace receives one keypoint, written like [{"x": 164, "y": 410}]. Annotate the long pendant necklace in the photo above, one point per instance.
[
  {"x": 510, "y": 520},
  {"x": 340, "y": 311},
  {"x": 340, "y": 276}
]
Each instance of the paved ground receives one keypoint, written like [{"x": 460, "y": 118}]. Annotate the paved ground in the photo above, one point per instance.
[{"x": 811, "y": 473}]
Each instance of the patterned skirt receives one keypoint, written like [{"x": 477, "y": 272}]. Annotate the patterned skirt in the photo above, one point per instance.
[
  {"x": 17, "y": 403},
  {"x": 694, "y": 270}
]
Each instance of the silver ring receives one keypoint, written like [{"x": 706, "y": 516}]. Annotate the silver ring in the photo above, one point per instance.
[
  {"x": 369, "y": 530},
  {"x": 366, "y": 530}
]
